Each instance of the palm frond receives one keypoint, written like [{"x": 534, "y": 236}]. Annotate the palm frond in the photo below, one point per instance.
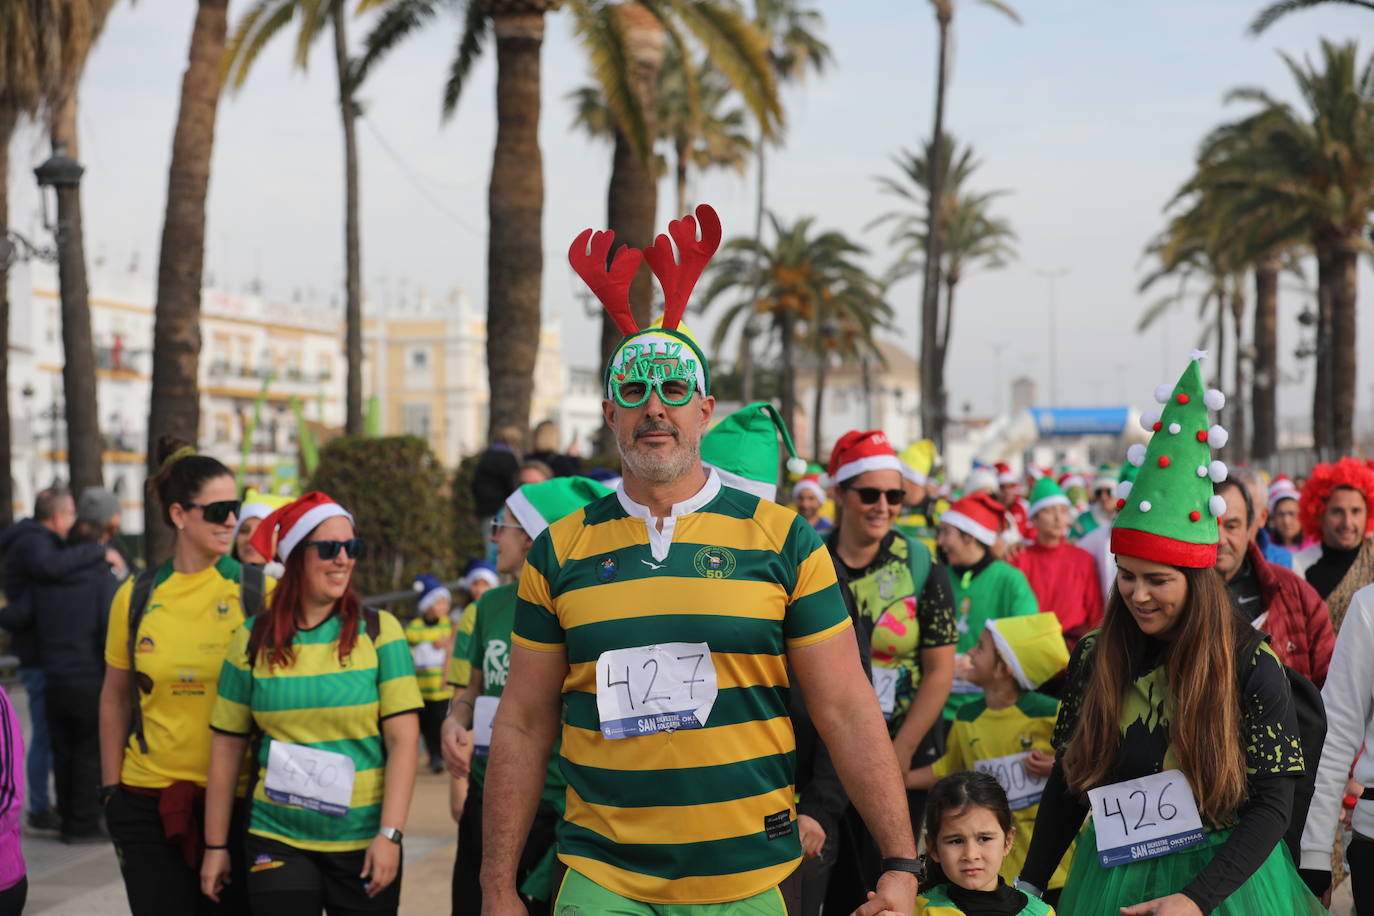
[
  {"x": 475, "y": 26},
  {"x": 602, "y": 36},
  {"x": 399, "y": 20},
  {"x": 1276, "y": 11},
  {"x": 254, "y": 31},
  {"x": 1004, "y": 9}
]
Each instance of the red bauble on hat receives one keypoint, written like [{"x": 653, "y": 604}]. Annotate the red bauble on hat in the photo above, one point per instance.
[
  {"x": 859, "y": 452},
  {"x": 290, "y": 524},
  {"x": 979, "y": 516}
]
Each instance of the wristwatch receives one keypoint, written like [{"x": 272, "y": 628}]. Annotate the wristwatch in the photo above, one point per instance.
[
  {"x": 391, "y": 833},
  {"x": 105, "y": 793},
  {"x": 911, "y": 866}
]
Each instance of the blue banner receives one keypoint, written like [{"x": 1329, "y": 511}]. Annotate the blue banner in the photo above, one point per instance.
[{"x": 1081, "y": 421}]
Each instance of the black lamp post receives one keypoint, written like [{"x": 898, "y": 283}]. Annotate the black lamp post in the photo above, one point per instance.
[{"x": 61, "y": 173}]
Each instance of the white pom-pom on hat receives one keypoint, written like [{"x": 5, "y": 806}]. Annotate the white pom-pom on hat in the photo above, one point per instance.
[
  {"x": 1145, "y": 505},
  {"x": 418, "y": 586},
  {"x": 1217, "y": 506},
  {"x": 1202, "y": 470},
  {"x": 1217, "y": 471},
  {"x": 1123, "y": 489},
  {"x": 1148, "y": 421},
  {"x": 1218, "y": 436},
  {"x": 1163, "y": 393},
  {"x": 1175, "y": 429},
  {"x": 1215, "y": 398},
  {"x": 796, "y": 466},
  {"x": 1136, "y": 454}
]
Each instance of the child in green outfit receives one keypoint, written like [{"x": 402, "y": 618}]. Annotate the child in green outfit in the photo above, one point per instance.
[{"x": 1006, "y": 732}]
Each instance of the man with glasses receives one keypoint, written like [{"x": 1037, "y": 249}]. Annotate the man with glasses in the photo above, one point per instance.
[
  {"x": 657, "y": 626},
  {"x": 1102, "y": 509}
]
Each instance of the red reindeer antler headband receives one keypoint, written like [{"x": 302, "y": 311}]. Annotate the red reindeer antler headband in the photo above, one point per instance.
[{"x": 612, "y": 285}]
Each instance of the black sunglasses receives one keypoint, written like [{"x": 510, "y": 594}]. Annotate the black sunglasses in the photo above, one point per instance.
[
  {"x": 217, "y": 513},
  {"x": 869, "y": 495},
  {"x": 328, "y": 550}
]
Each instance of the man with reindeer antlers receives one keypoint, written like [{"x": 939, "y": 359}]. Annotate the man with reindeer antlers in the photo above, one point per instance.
[{"x": 657, "y": 625}]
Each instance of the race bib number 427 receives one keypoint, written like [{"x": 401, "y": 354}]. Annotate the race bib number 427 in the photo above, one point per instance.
[
  {"x": 1143, "y": 818},
  {"x": 651, "y": 689}
]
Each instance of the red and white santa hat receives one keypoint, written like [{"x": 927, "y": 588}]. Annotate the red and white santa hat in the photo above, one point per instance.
[
  {"x": 1282, "y": 488},
  {"x": 811, "y": 483},
  {"x": 290, "y": 524},
  {"x": 979, "y": 516},
  {"x": 1005, "y": 474},
  {"x": 860, "y": 452}
]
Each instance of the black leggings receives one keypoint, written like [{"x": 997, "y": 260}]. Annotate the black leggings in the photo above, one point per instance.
[
  {"x": 12, "y": 898},
  {"x": 286, "y": 881},
  {"x": 431, "y": 725},
  {"x": 1360, "y": 856},
  {"x": 156, "y": 877}
]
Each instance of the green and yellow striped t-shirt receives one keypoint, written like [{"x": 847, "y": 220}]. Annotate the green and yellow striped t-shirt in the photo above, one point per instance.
[
  {"x": 696, "y": 815},
  {"x": 428, "y": 638},
  {"x": 325, "y": 705}
]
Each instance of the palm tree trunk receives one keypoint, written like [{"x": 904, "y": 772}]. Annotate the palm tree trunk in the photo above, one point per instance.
[
  {"x": 515, "y": 206},
  {"x": 1238, "y": 426},
  {"x": 932, "y": 415},
  {"x": 8, "y": 117},
  {"x": 175, "y": 400},
  {"x": 1343, "y": 364},
  {"x": 1321, "y": 392},
  {"x": 746, "y": 342},
  {"x": 816, "y": 438},
  {"x": 85, "y": 447},
  {"x": 942, "y": 351},
  {"x": 353, "y": 300},
  {"x": 1263, "y": 403},
  {"x": 680, "y": 172},
  {"x": 1220, "y": 374},
  {"x": 788, "y": 382},
  {"x": 632, "y": 198}
]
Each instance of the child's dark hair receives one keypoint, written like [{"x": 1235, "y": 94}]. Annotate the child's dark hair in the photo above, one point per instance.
[
  {"x": 181, "y": 473},
  {"x": 958, "y": 792}
]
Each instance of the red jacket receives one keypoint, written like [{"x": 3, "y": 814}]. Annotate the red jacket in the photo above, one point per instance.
[{"x": 1296, "y": 617}]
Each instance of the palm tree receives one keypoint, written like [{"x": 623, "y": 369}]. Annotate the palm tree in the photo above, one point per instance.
[
  {"x": 932, "y": 418},
  {"x": 1317, "y": 165},
  {"x": 78, "y": 24},
  {"x": 1275, "y": 11},
  {"x": 803, "y": 279},
  {"x": 792, "y": 31},
  {"x": 175, "y": 400},
  {"x": 975, "y": 237},
  {"x": 829, "y": 341},
  {"x": 621, "y": 46},
  {"x": 253, "y": 32}
]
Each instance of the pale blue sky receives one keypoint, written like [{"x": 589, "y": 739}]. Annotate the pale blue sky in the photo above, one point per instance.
[{"x": 1089, "y": 113}]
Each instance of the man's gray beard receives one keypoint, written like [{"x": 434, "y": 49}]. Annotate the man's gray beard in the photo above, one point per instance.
[{"x": 652, "y": 468}]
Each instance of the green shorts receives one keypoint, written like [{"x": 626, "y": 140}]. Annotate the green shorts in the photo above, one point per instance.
[{"x": 580, "y": 896}]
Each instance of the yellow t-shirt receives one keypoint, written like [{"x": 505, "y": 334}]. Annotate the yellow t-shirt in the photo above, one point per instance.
[
  {"x": 459, "y": 668},
  {"x": 182, "y": 638}
]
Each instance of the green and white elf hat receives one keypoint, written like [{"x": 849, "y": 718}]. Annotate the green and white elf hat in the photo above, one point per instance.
[
  {"x": 743, "y": 448},
  {"x": 1045, "y": 493},
  {"x": 668, "y": 349},
  {"x": 1169, "y": 514},
  {"x": 1107, "y": 477},
  {"x": 1032, "y": 646},
  {"x": 536, "y": 506}
]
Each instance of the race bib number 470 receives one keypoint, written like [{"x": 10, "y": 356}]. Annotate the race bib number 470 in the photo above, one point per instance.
[
  {"x": 651, "y": 689},
  {"x": 1143, "y": 818},
  {"x": 305, "y": 777}
]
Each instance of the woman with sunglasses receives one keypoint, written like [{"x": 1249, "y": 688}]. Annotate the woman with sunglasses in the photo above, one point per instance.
[
  {"x": 325, "y": 691},
  {"x": 160, "y": 686},
  {"x": 898, "y": 587}
]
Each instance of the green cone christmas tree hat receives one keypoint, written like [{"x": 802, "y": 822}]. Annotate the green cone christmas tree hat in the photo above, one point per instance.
[
  {"x": 743, "y": 448},
  {"x": 1044, "y": 494},
  {"x": 1169, "y": 514}
]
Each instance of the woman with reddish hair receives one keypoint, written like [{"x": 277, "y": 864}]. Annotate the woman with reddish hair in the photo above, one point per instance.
[
  {"x": 1335, "y": 510},
  {"x": 325, "y": 690}
]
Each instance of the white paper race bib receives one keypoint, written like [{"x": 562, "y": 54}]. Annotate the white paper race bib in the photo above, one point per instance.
[
  {"x": 1143, "y": 818},
  {"x": 429, "y": 655},
  {"x": 483, "y": 714},
  {"x": 651, "y": 689},
  {"x": 1023, "y": 789},
  {"x": 885, "y": 686},
  {"x": 304, "y": 777}
]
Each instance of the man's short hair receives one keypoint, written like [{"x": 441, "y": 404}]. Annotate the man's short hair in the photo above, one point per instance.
[
  {"x": 48, "y": 502},
  {"x": 1234, "y": 480}
]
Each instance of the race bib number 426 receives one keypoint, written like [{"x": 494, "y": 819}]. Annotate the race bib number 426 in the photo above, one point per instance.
[
  {"x": 1143, "y": 818},
  {"x": 651, "y": 689}
]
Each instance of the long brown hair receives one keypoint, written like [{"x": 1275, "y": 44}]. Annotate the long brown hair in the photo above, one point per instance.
[
  {"x": 276, "y": 629},
  {"x": 1199, "y": 664}
]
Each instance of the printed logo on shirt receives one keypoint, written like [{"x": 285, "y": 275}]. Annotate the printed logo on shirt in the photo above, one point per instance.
[
  {"x": 607, "y": 568},
  {"x": 186, "y": 684},
  {"x": 223, "y": 608},
  {"x": 264, "y": 862},
  {"x": 714, "y": 563},
  {"x": 496, "y": 663},
  {"x": 146, "y": 644},
  {"x": 777, "y": 826},
  {"x": 887, "y": 585}
]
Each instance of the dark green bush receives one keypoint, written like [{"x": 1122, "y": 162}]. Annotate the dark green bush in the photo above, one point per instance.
[
  {"x": 468, "y": 540},
  {"x": 399, "y": 495}
]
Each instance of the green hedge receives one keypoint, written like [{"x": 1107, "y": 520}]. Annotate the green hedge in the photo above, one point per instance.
[{"x": 398, "y": 492}]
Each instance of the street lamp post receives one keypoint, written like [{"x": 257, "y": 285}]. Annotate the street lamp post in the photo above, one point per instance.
[{"x": 1052, "y": 275}]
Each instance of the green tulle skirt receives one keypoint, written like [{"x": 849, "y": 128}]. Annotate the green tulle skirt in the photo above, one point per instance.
[{"x": 1273, "y": 890}]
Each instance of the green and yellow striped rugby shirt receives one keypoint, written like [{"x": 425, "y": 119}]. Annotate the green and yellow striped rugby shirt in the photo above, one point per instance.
[
  {"x": 325, "y": 705},
  {"x": 430, "y": 678},
  {"x": 697, "y": 815}
]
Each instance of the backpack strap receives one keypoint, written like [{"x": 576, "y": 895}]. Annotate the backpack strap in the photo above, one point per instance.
[
  {"x": 252, "y": 587},
  {"x": 919, "y": 562},
  {"x": 138, "y": 606},
  {"x": 372, "y": 623}
]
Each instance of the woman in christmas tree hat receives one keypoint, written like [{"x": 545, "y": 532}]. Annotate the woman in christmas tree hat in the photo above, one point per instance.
[{"x": 1174, "y": 680}]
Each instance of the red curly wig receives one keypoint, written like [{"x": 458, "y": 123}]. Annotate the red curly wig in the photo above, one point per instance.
[{"x": 1348, "y": 473}]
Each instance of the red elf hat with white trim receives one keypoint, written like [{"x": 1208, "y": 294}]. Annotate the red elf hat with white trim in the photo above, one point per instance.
[
  {"x": 979, "y": 516},
  {"x": 290, "y": 524},
  {"x": 860, "y": 452}
]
